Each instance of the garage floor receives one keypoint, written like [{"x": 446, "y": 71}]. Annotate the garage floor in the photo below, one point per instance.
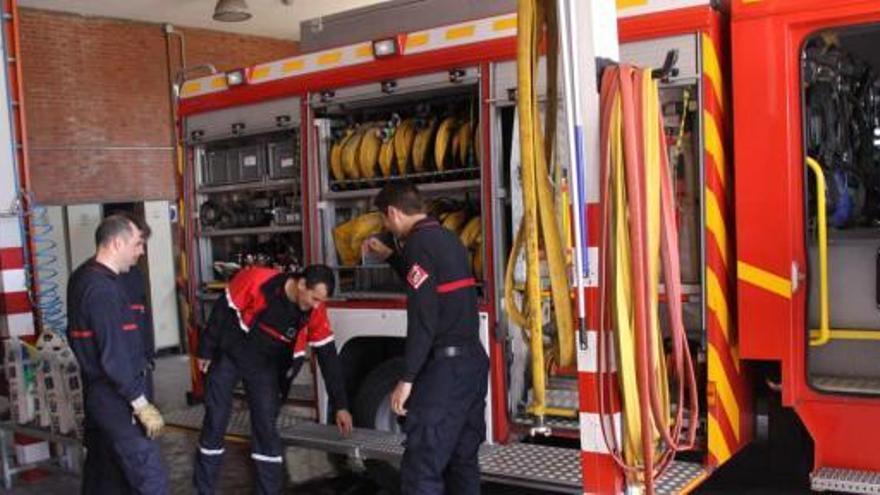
[{"x": 310, "y": 472}]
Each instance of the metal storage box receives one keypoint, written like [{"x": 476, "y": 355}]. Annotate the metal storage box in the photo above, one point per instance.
[
  {"x": 283, "y": 158},
  {"x": 217, "y": 167},
  {"x": 248, "y": 163}
]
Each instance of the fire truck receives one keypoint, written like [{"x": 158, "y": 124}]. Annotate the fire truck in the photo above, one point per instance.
[{"x": 771, "y": 116}]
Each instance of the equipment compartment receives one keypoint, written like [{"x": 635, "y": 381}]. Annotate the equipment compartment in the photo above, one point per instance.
[
  {"x": 841, "y": 128},
  {"x": 423, "y": 130}
]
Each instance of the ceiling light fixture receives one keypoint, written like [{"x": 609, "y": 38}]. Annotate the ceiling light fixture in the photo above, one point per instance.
[{"x": 231, "y": 11}]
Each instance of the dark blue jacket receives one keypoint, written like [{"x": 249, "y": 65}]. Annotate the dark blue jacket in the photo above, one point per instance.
[
  {"x": 136, "y": 288},
  {"x": 105, "y": 333},
  {"x": 441, "y": 303}
]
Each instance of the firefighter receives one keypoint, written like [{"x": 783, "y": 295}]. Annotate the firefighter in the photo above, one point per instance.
[
  {"x": 105, "y": 335},
  {"x": 258, "y": 333},
  {"x": 443, "y": 388}
]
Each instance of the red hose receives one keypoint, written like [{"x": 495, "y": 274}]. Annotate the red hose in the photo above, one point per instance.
[{"x": 627, "y": 81}]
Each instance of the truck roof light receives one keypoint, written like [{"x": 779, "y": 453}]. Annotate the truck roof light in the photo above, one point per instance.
[
  {"x": 235, "y": 77},
  {"x": 385, "y": 48}
]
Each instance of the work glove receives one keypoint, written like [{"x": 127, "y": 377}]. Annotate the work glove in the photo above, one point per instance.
[{"x": 151, "y": 418}]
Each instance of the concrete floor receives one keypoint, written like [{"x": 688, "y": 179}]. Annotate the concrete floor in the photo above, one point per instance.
[
  {"x": 178, "y": 447},
  {"x": 310, "y": 472}
]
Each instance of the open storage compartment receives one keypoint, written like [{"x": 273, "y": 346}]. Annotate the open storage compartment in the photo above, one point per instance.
[
  {"x": 423, "y": 130},
  {"x": 255, "y": 219},
  {"x": 840, "y": 81}
]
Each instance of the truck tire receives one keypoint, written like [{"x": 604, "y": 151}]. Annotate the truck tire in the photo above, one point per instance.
[
  {"x": 371, "y": 404},
  {"x": 372, "y": 409}
]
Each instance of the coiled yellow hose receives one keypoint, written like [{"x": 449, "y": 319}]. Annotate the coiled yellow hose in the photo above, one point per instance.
[{"x": 539, "y": 227}]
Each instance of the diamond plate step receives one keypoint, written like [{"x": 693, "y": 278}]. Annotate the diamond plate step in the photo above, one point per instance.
[
  {"x": 845, "y": 480},
  {"x": 554, "y": 423},
  {"x": 543, "y": 467},
  {"x": 560, "y": 398},
  {"x": 681, "y": 478},
  {"x": 562, "y": 382}
]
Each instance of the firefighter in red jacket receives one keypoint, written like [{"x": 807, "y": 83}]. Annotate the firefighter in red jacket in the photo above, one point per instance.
[
  {"x": 443, "y": 389},
  {"x": 258, "y": 333}
]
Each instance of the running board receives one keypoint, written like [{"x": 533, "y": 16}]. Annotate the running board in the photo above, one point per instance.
[
  {"x": 556, "y": 424},
  {"x": 541, "y": 467},
  {"x": 845, "y": 480}
]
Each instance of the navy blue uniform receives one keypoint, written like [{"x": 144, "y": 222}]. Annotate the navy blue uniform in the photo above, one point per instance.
[
  {"x": 255, "y": 334},
  {"x": 444, "y": 361},
  {"x": 105, "y": 336},
  {"x": 135, "y": 287}
]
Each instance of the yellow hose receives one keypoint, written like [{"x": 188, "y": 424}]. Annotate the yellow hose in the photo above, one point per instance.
[
  {"x": 653, "y": 169},
  {"x": 540, "y": 218},
  {"x": 513, "y": 312},
  {"x": 622, "y": 294},
  {"x": 525, "y": 70}
]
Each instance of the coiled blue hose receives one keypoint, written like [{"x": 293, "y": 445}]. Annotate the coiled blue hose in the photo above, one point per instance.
[
  {"x": 53, "y": 314},
  {"x": 50, "y": 305}
]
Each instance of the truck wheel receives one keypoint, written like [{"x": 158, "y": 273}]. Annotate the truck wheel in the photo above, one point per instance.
[{"x": 372, "y": 409}]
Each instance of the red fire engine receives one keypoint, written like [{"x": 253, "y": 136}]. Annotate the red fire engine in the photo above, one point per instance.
[{"x": 778, "y": 258}]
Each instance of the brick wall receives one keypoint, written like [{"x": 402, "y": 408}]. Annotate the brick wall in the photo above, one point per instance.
[{"x": 98, "y": 105}]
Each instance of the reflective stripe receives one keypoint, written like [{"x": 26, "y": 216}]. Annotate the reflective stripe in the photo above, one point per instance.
[
  {"x": 321, "y": 342},
  {"x": 81, "y": 334},
  {"x": 275, "y": 334},
  {"x": 764, "y": 279},
  {"x": 456, "y": 285},
  {"x": 211, "y": 451},
  {"x": 138, "y": 307},
  {"x": 237, "y": 312},
  {"x": 128, "y": 327},
  {"x": 267, "y": 458}
]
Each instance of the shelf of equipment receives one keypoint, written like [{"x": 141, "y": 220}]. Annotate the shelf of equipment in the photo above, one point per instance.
[
  {"x": 265, "y": 185},
  {"x": 271, "y": 229},
  {"x": 439, "y": 183}
]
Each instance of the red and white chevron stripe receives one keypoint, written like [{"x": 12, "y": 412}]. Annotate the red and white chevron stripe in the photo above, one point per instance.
[
  {"x": 16, "y": 318},
  {"x": 601, "y": 474}
]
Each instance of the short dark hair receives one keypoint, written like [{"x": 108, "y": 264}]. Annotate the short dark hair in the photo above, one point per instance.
[
  {"x": 402, "y": 195},
  {"x": 319, "y": 274},
  {"x": 137, "y": 220},
  {"x": 112, "y": 227}
]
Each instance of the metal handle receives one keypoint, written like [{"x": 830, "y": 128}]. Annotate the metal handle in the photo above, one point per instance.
[{"x": 824, "y": 331}]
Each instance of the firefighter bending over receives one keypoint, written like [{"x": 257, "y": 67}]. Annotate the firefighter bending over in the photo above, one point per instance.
[{"x": 258, "y": 333}]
